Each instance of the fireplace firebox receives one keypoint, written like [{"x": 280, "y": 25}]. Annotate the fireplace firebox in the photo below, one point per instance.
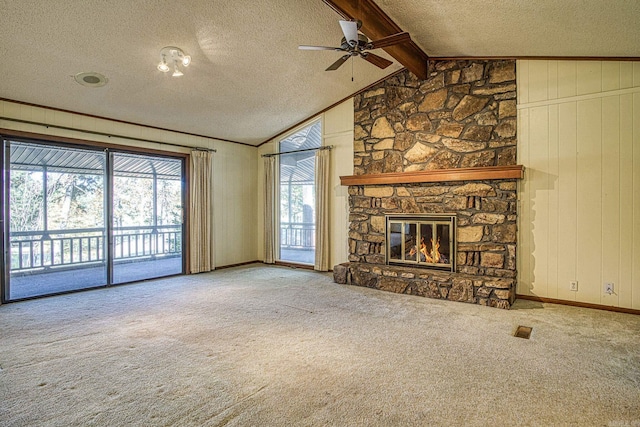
[{"x": 426, "y": 241}]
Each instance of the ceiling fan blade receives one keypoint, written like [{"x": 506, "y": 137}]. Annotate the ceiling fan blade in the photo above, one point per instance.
[
  {"x": 391, "y": 40},
  {"x": 305, "y": 47},
  {"x": 338, "y": 63},
  {"x": 376, "y": 60},
  {"x": 350, "y": 30}
]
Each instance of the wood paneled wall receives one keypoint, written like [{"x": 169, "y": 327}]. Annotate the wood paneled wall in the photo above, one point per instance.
[
  {"x": 234, "y": 170},
  {"x": 579, "y": 210}
]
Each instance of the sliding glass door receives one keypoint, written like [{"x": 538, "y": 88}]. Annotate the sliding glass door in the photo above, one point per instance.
[
  {"x": 56, "y": 219},
  {"x": 147, "y": 217},
  {"x": 77, "y": 218}
]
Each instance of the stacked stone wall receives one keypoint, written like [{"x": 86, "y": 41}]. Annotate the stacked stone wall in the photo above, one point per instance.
[{"x": 463, "y": 115}]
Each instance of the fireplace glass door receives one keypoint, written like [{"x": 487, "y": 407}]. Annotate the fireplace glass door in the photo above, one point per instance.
[{"x": 421, "y": 241}]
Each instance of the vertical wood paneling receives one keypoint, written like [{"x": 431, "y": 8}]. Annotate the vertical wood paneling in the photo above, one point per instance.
[
  {"x": 229, "y": 209},
  {"x": 552, "y": 191},
  {"x": 588, "y": 185},
  {"x": 635, "y": 297},
  {"x": 523, "y": 261},
  {"x": 636, "y": 74},
  {"x": 338, "y": 131},
  {"x": 233, "y": 211},
  {"x": 13, "y": 110},
  {"x": 522, "y": 74},
  {"x": 626, "y": 260},
  {"x": 339, "y": 119},
  {"x": 589, "y": 77},
  {"x": 341, "y": 164},
  {"x": 249, "y": 184},
  {"x": 610, "y": 139},
  {"x": 260, "y": 200},
  {"x": 610, "y": 75},
  {"x": 219, "y": 211},
  {"x": 626, "y": 75},
  {"x": 567, "y": 79},
  {"x": 539, "y": 196},
  {"x": 552, "y": 80},
  {"x": 538, "y": 84},
  {"x": 38, "y": 115},
  {"x": 567, "y": 199},
  {"x": 589, "y": 200}
]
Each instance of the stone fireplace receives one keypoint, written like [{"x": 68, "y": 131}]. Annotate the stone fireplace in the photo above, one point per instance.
[{"x": 433, "y": 203}]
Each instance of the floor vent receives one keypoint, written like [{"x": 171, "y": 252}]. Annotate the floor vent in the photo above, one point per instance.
[{"x": 523, "y": 332}]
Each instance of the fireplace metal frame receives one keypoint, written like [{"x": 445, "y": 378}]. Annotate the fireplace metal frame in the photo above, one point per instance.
[{"x": 429, "y": 219}]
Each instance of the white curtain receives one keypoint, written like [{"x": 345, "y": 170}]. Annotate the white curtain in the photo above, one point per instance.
[
  {"x": 270, "y": 183},
  {"x": 322, "y": 210},
  {"x": 201, "y": 212}
]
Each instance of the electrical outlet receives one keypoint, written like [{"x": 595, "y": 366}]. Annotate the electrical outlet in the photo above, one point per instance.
[
  {"x": 573, "y": 285},
  {"x": 608, "y": 288}
]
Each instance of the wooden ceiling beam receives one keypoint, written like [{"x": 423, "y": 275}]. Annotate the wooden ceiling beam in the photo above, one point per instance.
[{"x": 376, "y": 25}]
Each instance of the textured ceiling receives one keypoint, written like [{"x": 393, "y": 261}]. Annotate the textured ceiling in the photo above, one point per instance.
[
  {"x": 453, "y": 28},
  {"x": 248, "y": 81}
]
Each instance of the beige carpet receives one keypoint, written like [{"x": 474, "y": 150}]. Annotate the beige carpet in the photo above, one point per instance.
[{"x": 272, "y": 346}]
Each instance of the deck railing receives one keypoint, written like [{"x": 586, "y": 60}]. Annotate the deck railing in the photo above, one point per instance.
[
  {"x": 56, "y": 248},
  {"x": 297, "y": 235}
]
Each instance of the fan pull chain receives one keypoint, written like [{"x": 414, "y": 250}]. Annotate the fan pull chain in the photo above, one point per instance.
[{"x": 352, "y": 68}]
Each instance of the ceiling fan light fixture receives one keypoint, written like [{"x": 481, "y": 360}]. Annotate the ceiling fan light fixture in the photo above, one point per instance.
[
  {"x": 162, "y": 66},
  {"x": 356, "y": 44},
  {"x": 175, "y": 55},
  {"x": 176, "y": 70}
]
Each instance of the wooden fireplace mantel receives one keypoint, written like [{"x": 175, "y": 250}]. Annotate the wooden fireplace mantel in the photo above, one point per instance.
[{"x": 438, "y": 175}]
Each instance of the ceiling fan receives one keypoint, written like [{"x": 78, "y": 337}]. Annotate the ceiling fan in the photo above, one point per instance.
[{"x": 356, "y": 44}]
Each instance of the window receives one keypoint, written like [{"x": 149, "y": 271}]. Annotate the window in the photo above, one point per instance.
[{"x": 297, "y": 194}]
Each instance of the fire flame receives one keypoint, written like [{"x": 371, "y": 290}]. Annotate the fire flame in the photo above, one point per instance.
[
  {"x": 432, "y": 256},
  {"x": 435, "y": 252}
]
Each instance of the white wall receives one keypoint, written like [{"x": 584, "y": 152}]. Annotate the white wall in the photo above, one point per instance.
[
  {"x": 579, "y": 212},
  {"x": 234, "y": 170},
  {"x": 234, "y": 204},
  {"x": 338, "y": 131},
  {"x": 337, "y": 125}
]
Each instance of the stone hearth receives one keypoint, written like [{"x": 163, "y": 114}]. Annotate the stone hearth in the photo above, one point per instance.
[{"x": 462, "y": 117}]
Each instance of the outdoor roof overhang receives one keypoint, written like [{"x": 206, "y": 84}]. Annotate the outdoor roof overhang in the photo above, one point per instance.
[
  {"x": 34, "y": 157},
  {"x": 299, "y": 168}
]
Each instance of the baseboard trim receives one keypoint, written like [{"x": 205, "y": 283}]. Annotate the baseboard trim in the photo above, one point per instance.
[
  {"x": 240, "y": 264},
  {"x": 280, "y": 263},
  {"x": 579, "y": 304},
  {"x": 294, "y": 265}
]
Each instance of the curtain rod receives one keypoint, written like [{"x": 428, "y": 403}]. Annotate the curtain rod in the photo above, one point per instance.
[
  {"x": 326, "y": 147},
  {"x": 109, "y": 135}
]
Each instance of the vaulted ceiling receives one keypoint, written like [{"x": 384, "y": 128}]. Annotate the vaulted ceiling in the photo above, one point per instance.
[{"x": 248, "y": 81}]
